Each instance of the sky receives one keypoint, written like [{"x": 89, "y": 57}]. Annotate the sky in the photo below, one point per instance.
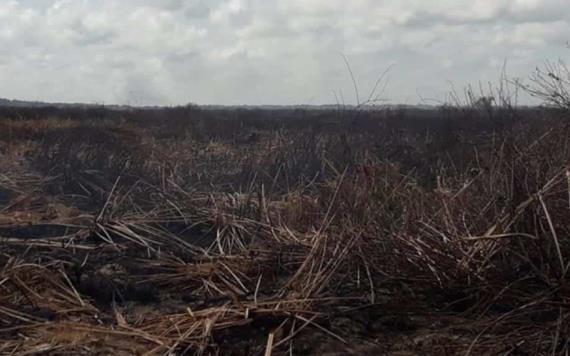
[{"x": 284, "y": 52}]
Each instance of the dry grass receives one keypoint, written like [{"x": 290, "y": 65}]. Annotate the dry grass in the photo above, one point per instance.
[{"x": 136, "y": 241}]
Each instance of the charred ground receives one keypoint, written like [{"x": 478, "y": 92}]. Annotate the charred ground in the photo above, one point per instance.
[{"x": 183, "y": 230}]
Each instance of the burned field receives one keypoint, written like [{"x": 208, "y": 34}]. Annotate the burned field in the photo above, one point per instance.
[{"x": 244, "y": 232}]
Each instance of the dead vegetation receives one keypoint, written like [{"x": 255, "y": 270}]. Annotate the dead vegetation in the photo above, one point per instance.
[{"x": 182, "y": 231}]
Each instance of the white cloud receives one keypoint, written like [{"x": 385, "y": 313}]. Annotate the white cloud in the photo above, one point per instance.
[{"x": 262, "y": 51}]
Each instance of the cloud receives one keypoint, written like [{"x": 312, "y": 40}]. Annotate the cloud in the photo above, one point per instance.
[{"x": 260, "y": 51}]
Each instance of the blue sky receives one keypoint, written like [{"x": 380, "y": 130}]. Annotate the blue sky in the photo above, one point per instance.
[{"x": 170, "y": 52}]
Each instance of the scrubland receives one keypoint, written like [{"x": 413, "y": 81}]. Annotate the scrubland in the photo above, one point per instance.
[{"x": 272, "y": 232}]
